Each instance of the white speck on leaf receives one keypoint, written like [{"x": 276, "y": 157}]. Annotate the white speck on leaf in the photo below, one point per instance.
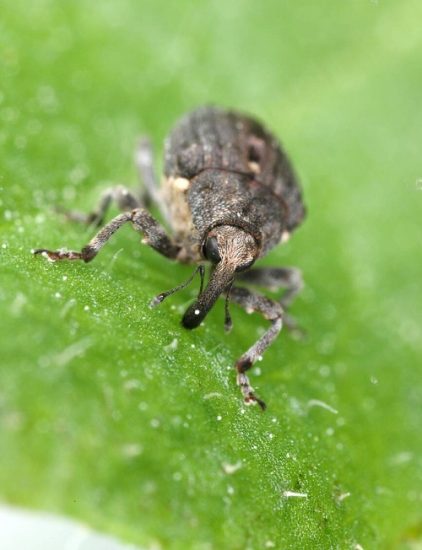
[
  {"x": 230, "y": 469},
  {"x": 72, "y": 351},
  {"x": 132, "y": 384},
  {"x": 131, "y": 450},
  {"x": 401, "y": 458},
  {"x": 114, "y": 257},
  {"x": 293, "y": 494},
  {"x": 172, "y": 346},
  {"x": 318, "y": 403},
  {"x": 68, "y": 305},
  {"x": 18, "y": 304},
  {"x": 212, "y": 394},
  {"x": 324, "y": 371}
]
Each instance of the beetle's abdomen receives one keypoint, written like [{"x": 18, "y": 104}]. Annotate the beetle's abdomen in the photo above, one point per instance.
[{"x": 213, "y": 139}]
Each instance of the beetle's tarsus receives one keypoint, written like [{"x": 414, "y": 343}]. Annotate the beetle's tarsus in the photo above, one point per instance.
[
  {"x": 156, "y": 300},
  {"x": 55, "y": 255},
  {"x": 249, "y": 396},
  {"x": 120, "y": 194},
  {"x": 253, "y": 399},
  {"x": 93, "y": 219}
]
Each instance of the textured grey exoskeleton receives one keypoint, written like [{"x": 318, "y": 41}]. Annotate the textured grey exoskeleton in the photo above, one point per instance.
[{"x": 229, "y": 195}]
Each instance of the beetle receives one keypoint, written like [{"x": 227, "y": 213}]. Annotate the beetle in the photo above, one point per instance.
[{"x": 229, "y": 195}]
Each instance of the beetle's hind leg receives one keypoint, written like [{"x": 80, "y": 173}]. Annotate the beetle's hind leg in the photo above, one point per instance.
[
  {"x": 273, "y": 312},
  {"x": 144, "y": 160},
  {"x": 273, "y": 278},
  {"x": 119, "y": 194}
]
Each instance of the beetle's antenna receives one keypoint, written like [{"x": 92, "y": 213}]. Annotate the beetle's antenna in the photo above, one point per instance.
[
  {"x": 158, "y": 299},
  {"x": 228, "y": 323}
]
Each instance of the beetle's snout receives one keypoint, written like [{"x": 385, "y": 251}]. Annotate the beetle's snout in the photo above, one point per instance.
[
  {"x": 220, "y": 280},
  {"x": 194, "y": 316}
]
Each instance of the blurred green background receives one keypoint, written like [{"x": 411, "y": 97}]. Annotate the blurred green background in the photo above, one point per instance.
[{"x": 111, "y": 412}]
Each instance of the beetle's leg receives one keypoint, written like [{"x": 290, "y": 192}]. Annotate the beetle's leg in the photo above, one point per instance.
[
  {"x": 274, "y": 278},
  {"x": 154, "y": 235},
  {"x": 144, "y": 160},
  {"x": 272, "y": 311},
  {"x": 124, "y": 199}
]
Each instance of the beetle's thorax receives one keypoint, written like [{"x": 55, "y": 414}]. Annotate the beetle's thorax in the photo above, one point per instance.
[{"x": 222, "y": 198}]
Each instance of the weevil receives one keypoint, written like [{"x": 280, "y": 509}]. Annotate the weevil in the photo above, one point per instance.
[{"x": 229, "y": 195}]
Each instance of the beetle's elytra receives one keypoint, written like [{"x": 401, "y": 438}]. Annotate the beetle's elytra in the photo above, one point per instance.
[{"x": 229, "y": 195}]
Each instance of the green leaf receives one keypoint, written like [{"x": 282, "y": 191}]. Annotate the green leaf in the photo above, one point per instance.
[{"x": 114, "y": 414}]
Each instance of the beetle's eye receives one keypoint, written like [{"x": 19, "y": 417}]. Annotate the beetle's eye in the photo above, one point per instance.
[
  {"x": 244, "y": 266},
  {"x": 211, "y": 251}
]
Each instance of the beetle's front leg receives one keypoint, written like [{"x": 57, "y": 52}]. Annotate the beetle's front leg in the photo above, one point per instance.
[
  {"x": 273, "y": 278},
  {"x": 272, "y": 311},
  {"x": 154, "y": 235}
]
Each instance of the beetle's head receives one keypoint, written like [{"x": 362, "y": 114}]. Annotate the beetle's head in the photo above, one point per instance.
[{"x": 230, "y": 249}]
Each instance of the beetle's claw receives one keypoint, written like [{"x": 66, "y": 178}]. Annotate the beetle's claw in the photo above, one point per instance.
[
  {"x": 48, "y": 254},
  {"x": 157, "y": 300},
  {"x": 253, "y": 399},
  {"x": 247, "y": 390}
]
